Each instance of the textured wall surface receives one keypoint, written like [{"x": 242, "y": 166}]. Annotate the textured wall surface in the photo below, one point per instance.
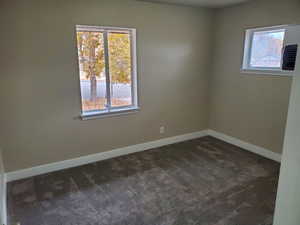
[
  {"x": 251, "y": 107},
  {"x": 40, "y": 84}
]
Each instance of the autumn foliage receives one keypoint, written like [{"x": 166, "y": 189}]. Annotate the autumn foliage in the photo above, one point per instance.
[{"x": 91, "y": 53}]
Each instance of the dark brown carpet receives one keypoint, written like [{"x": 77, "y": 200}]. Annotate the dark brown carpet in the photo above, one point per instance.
[{"x": 199, "y": 182}]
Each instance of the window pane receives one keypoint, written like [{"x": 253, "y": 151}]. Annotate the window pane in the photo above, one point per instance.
[
  {"x": 119, "y": 48},
  {"x": 267, "y": 49},
  {"x": 92, "y": 70}
]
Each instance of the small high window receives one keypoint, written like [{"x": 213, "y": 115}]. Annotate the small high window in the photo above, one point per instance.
[
  {"x": 107, "y": 70},
  {"x": 264, "y": 49}
]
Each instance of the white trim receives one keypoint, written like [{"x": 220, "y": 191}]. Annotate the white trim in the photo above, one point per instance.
[
  {"x": 47, "y": 168},
  {"x": 109, "y": 109},
  {"x": 3, "y": 182},
  {"x": 246, "y": 68},
  {"x": 4, "y": 200},
  {"x": 245, "y": 145},
  {"x": 103, "y": 28},
  {"x": 25, "y": 173},
  {"x": 272, "y": 27},
  {"x": 96, "y": 115},
  {"x": 268, "y": 72}
]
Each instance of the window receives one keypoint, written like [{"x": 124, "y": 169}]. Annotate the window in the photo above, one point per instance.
[
  {"x": 107, "y": 70},
  {"x": 263, "y": 50}
]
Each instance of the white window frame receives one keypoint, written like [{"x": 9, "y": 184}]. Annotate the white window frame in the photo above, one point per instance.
[
  {"x": 122, "y": 110},
  {"x": 246, "y": 68}
]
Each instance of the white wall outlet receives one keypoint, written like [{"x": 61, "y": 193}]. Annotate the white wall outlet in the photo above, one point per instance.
[{"x": 162, "y": 130}]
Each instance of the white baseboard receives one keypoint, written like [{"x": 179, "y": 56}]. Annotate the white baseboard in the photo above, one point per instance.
[
  {"x": 247, "y": 146},
  {"x": 34, "y": 171},
  {"x": 4, "y": 201},
  {"x": 3, "y": 193},
  {"x": 47, "y": 168}
]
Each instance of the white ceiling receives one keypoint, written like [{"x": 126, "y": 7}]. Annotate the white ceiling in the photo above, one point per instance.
[{"x": 200, "y": 3}]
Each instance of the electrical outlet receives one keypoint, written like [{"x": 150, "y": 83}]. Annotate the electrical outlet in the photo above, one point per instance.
[{"x": 162, "y": 130}]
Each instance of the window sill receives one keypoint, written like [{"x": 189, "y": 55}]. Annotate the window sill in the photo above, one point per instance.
[
  {"x": 268, "y": 72},
  {"x": 111, "y": 113}
]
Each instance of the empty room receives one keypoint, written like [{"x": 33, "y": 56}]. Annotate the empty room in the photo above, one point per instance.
[{"x": 150, "y": 112}]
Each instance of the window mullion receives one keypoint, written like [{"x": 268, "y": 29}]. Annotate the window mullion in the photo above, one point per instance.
[
  {"x": 107, "y": 74},
  {"x": 132, "y": 75},
  {"x": 250, "y": 50}
]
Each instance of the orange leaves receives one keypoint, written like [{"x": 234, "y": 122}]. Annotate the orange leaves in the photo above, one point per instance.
[
  {"x": 119, "y": 57},
  {"x": 91, "y": 53}
]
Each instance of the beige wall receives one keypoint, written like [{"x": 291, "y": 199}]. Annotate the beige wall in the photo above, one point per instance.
[
  {"x": 40, "y": 87},
  {"x": 288, "y": 198},
  {"x": 179, "y": 87},
  {"x": 252, "y": 108}
]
